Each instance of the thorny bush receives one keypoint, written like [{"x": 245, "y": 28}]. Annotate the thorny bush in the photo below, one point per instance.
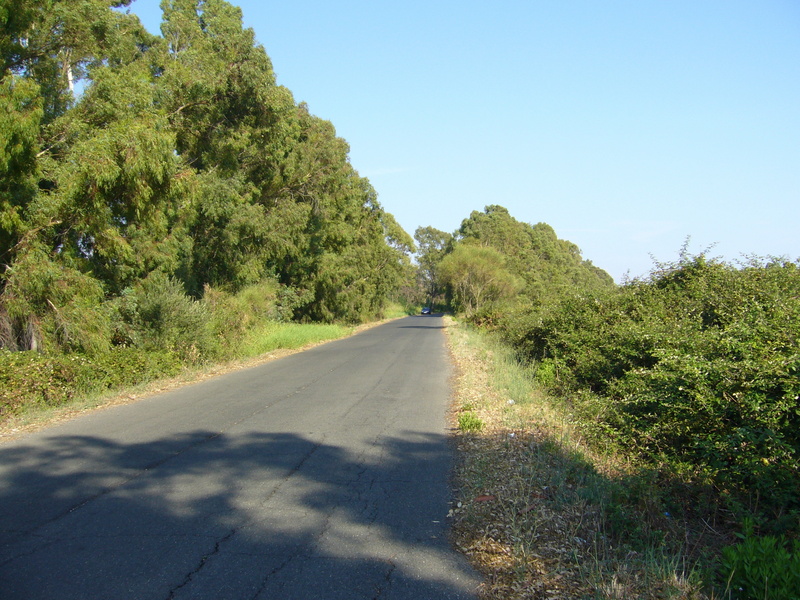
[{"x": 696, "y": 368}]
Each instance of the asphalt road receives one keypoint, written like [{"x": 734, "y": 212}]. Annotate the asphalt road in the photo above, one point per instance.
[{"x": 320, "y": 475}]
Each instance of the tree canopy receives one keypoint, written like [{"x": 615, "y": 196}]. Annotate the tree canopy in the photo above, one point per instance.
[
  {"x": 494, "y": 262},
  {"x": 477, "y": 277},
  {"x": 126, "y": 154},
  {"x": 548, "y": 265}
]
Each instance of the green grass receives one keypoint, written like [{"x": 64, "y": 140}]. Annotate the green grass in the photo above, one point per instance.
[
  {"x": 395, "y": 310},
  {"x": 273, "y": 336},
  {"x": 469, "y": 421}
]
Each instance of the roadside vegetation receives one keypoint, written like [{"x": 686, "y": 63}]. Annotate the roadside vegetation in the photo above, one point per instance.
[
  {"x": 165, "y": 205},
  {"x": 638, "y": 441},
  {"x": 224, "y": 333},
  {"x": 541, "y": 513}
]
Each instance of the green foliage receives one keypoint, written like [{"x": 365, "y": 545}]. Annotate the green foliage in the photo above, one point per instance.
[
  {"x": 273, "y": 336},
  {"x": 761, "y": 568},
  {"x": 696, "y": 368},
  {"x": 159, "y": 316},
  {"x": 432, "y": 245},
  {"x": 545, "y": 373},
  {"x": 495, "y": 264},
  {"x": 234, "y": 317},
  {"x": 181, "y": 167},
  {"x": 477, "y": 277},
  {"x": 469, "y": 421},
  {"x": 30, "y": 378},
  {"x": 61, "y": 306},
  {"x": 33, "y": 379},
  {"x": 548, "y": 266},
  {"x": 20, "y": 119}
]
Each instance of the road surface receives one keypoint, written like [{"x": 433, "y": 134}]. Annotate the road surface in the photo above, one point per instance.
[{"x": 320, "y": 475}]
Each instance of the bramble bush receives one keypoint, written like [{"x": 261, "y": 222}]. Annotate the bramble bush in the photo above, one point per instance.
[
  {"x": 30, "y": 378},
  {"x": 157, "y": 315},
  {"x": 696, "y": 367}
]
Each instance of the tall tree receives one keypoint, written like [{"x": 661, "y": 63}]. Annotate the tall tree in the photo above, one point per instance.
[
  {"x": 477, "y": 278},
  {"x": 547, "y": 264},
  {"x": 113, "y": 188},
  {"x": 235, "y": 128},
  {"x": 432, "y": 245},
  {"x": 56, "y": 42},
  {"x": 20, "y": 121},
  {"x": 357, "y": 253},
  {"x": 180, "y": 158}
]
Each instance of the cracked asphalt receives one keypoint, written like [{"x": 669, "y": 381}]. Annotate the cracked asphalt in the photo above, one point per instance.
[{"x": 320, "y": 475}]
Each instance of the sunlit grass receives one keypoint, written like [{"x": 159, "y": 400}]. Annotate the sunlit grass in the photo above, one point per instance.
[
  {"x": 290, "y": 336},
  {"x": 395, "y": 310}
]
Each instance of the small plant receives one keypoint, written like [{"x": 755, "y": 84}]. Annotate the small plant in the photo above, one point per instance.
[
  {"x": 761, "y": 568},
  {"x": 469, "y": 421},
  {"x": 546, "y": 373}
]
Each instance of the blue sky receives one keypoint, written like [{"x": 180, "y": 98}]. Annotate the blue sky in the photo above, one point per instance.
[{"x": 627, "y": 126}]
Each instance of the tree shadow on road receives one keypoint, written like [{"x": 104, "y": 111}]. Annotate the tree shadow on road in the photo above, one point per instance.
[{"x": 210, "y": 515}]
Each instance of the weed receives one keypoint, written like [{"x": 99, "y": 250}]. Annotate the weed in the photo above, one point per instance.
[
  {"x": 272, "y": 335},
  {"x": 469, "y": 421},
  {"x": 761, "y": 568}
]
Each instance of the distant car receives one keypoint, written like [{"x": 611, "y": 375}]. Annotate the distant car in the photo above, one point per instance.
[{"x": 426, "y": 310}]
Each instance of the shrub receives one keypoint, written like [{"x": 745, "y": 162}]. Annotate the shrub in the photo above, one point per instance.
[
  {"x": 31, "y": 378},
  {"x": 697, "y": 368},
  {"x": 761, "y": 568},
  {"x": 157, "y": 315},
  {"x": 50, "y": 305},
  {"x": 545, "y": 373},
  {"x": 234, "y": 317},
  {"x": 469, "y": 421}
]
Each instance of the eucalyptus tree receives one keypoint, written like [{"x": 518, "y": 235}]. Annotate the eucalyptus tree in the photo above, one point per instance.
[
  {"x": 67, "y": 172},
  {"x": 181, "y": 156},
  {"x": 276, "y": 194},
  {"x": 234, "y": 127},
  {"x": 355, "y": 253},
  {"x": 51, "y": 45},
  {"x": 57, "y": 42},
  {"x": 477, "y": 278},
  {"x": 432, "y": 246},
  {"x": 548, "y": 265},
  {"x": 20, "y": 121}
]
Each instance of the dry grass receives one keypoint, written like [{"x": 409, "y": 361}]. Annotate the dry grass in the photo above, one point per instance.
[{"x": 538, "y": 513}]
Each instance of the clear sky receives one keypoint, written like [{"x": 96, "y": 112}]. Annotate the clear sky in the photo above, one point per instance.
[{"x": 627, "y": 126}]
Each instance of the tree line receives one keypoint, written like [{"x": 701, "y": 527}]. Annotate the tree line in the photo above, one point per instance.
[
  {"x": 494, "y": 264},
  {"x": 162, "y": 198},
  {"x": 127, "y": 157}
]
